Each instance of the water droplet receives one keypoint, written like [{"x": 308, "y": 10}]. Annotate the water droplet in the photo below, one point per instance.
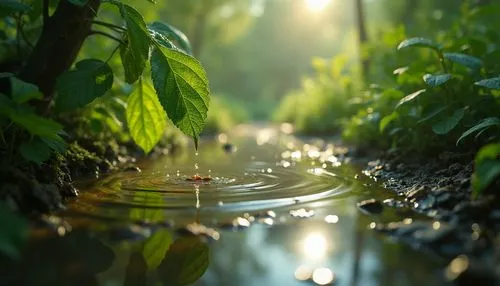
[
  {"x": 196, "y": 166},
  {"x": 269, "y": 170},
  {"x": 196, "y": 154},
  {"x": 331, "y": 219}
]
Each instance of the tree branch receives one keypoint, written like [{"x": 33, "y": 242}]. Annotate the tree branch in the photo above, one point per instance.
[
  {"x": 107, "y": 36},
  {"x": 109, "y": 25}
]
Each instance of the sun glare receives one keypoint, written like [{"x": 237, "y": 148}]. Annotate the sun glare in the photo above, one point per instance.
[{"x": 317, "y": 5}]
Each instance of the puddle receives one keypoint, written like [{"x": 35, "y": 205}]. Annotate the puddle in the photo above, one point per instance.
[{"x": 276, "y": 211}]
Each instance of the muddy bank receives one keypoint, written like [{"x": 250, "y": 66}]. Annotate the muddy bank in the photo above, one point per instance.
[{"x": 442, "y": 217}]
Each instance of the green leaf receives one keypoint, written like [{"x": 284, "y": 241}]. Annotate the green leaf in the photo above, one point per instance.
[
  {"x": 8, "y": 7},
  {"x": 13, "y": 233},
  {"x": 487, "y": 168},
  {"x": 156, "y": 247},
  {"x": 80, "y": 3},
  {"x": 58, "y": 144},
  {"x": 90, "y": 79},
  {"x": 491, "y": 83},
  {"x": 182, "y": 87},
  {"x": 418, "y": 42},
  {"x": 185, "y": 262},
  {"x": 23, "y": 91},
  {"x": 431, "y": 114},
  {"x": 159, "y": 31},
  {"x": 485, "y": 123},
  {"x": 446, "y": 125},
  {"x": 145, "y": 117},
  {"x": 465, "y": 60},
  {"x": 436, "y": 80},
  {"x": 410, "y": 97},
  {"x": 386, "y": 120},
  {"x": 36, "y": 125},
  {"x": 36, "y": 151},
  {"x": 135, "y": 53}
]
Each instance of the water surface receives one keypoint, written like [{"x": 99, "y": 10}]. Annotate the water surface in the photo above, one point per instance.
[{"x": 274, "y": 211}]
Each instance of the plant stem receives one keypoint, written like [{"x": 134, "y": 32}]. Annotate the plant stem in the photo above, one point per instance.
[
  {"x": 106, "y": 35},
  {"x": 442, "y": 61},
  {"x": 45, "y": 12},
  {"x": 109, "y": 25},
  {"x": 113, "y": 53}
]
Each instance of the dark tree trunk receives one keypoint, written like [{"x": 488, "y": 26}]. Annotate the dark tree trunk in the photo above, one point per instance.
[
  {"x": 362, "y": 36},
  {"x": 61, "y": 39}
]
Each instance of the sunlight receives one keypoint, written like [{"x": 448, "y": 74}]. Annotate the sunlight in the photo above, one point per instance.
[
  {"x": 317, "y": 5},
  {"x": 315, "y": 246}
]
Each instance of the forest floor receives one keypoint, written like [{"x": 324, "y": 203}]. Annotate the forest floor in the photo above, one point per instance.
[{"x": 460, "y": 228}]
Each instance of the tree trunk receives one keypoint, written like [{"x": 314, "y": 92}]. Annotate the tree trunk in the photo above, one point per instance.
[
  {"x": 61, "y": 39},
  {"x": 362, "y": 37}
]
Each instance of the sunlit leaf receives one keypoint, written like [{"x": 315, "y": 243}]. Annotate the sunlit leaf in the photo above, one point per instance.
[
  {"x": 182, "y": 87},
  {"x": 465, "y": 60},
  {"x": 446, "y": 125},
  {"x": 171, "y": 33},
  {"x": 410, "y": 97},
  {"x": 13, "y": 233},
  {"x": 185, "y": 262},
  {"x": 418, "y": 42},
  {"x": 76, "y": 88},
  {"x": 436, "y": 80},
  {"x": 135, "y": 53},
  {"x": 145, "y": 116},
  {"x": 491, "y": 83},
  {"x": 36, "y": 151},
  {"x": 485, "y": 123},
  {"x": 23, "y": 91},
  {"x": 487, "y": 168},
  {"x": 155, "y": 248}
]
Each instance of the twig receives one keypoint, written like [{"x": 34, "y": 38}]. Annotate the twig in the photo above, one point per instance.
[
  {"x": 109, "y": 25},
  {"x": 106, "y": 35},
  {"x": 113, "y": 53}
]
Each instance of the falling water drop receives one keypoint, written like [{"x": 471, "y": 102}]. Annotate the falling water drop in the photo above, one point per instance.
[{"x": 197, "y": 193}]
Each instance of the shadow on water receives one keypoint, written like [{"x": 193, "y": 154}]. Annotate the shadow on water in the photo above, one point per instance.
[{"x": 278, "y": 211}]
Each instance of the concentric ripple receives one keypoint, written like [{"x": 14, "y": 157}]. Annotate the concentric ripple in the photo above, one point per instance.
[{"x": 257, "y": 187}]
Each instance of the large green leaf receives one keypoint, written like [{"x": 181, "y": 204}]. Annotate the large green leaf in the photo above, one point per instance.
[
  {"x": 182, "y": 87},
  {"x": 386, "y": 120},
  {"x": 432, "y": 113},
  {"x": 36, "y": 151},
  {"x": 160, "y": 31},
  {"x": 491, "y": 83},
  {"x": 90, "y": 79},
  {"x": 446, "y": 125},
  {"x": 8, "y": 7},
  {"x": 13, "y": 232},
  {"x": 145, "y": 116},
  {"x": 156, "y": 247},
  {"x": 136, "y": 51},
  {"x": 465, "y": 60},
  {"x": 185, "y": 262},
  {"x": 418, "y": 42},
  {"x": 487, "y": 168},
  {"x": 410, "y": 97},
  {"x": 434, "y": 80},
  {"x": 23, "y": 91},
  {"x": 484, "y": 124}
]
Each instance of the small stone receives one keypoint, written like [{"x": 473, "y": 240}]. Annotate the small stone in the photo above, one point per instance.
[
  {"x": 416, "y": 193},
  {"x": 371, "y": 206}
]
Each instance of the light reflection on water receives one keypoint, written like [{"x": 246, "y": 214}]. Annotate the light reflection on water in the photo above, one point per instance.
[{"x": 314, "y": 231}]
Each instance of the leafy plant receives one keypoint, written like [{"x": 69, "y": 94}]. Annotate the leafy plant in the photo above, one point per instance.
[{"x": 487, "y": 168}]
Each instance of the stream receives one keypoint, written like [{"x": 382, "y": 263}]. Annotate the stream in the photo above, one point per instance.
[{"x": 267, "y": 209}]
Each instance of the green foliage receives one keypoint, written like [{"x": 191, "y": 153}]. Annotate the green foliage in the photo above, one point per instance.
[
  {"x": 418, "y": 42},
  {"x": 223, "y": 115},
  {"x": 182, "y": 88},
  {"x": 487, "y": 168},
  {"x": 185, "y": 262},
  {"x": 436, "y": 80},
  {"x": 155, "y": 248},
  {"x": 492, "y": 83},
  {"x": 93, "y": 90},
  {"x": 77, "y": 88},
  {"x": 145, "y": 117}
]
